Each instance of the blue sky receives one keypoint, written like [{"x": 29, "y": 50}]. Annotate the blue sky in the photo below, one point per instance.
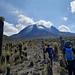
[{"x": 19, "y": 13}]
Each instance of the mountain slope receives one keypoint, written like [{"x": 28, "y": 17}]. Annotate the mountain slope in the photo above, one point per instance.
[{"x": 39, "y": 31}]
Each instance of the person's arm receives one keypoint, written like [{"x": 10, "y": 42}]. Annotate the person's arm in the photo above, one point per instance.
[
  {"x": 73, "y": 49},
  {"x": 46, "y": 50},
  {"x": 53, "y": 53},
  {"x": 64, "y": 58},
  {"x": 63, "y": 51}
]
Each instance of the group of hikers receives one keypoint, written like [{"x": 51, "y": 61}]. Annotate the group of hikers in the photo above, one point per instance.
[
  {"x": 67, "y": 50},
  {"x": 68, "y": 56}
]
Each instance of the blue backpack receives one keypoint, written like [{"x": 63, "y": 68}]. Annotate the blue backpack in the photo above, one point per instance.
[{"x": 69, "y": 54}]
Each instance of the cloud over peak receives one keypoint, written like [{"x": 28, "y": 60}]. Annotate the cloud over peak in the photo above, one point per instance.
[
  {"x": 45, "y": 23},
  {"x": 25, "y": 20},
  {"x": 64, "y": 28},
  {"x": 22, "y": 22}
]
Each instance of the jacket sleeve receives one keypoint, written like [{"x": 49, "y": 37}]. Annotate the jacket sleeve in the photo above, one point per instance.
[
  {"x": 73, "y": 50},
  {"x": 46, "y": 50},
  {"x": 63, "y": 51}
]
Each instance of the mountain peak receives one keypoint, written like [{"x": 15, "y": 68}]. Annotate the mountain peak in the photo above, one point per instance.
[
  {"x": 38, "y": 31},
  {"x": 35, "y": 26}
]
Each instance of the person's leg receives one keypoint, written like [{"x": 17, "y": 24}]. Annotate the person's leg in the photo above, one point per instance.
[
  {"x": 50, "y": 72},
  {"x": 8, "y": 71},
  {"x": 7, "y": 58},
  {"x": 44, "y": 55},
  {"x": 69, "y": 72},
  {"x": 50, "y": 60},
  {"x": 74, "y": 71},
  {"x": 69, "y": 66},
  {"x": 73, "y": 65}
]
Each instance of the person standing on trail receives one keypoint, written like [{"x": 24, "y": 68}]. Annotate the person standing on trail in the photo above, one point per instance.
[
  {"x": 56, "y": 50},
  {"x": 44, "y": 49},
  {"x": 50, "y": 53},
  {"x": 61, "y": 43},
  {"x": 20, "y": 48},
  {"x": 69, "y": 57}
]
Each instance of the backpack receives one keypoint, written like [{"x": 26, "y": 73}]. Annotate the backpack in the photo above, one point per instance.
[
  {"x": 69, "y": 54},
  {"x": 50, "y": 52}
]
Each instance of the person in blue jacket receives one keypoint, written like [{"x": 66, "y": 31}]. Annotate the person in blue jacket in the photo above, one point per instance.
[
  {"x": 69, "y": 57},
  {"x": 50, "y": 53}
]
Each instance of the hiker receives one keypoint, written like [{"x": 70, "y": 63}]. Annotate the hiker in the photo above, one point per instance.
[
  {"x": 51, "y": 53},
  {"x": 20, "y": 49},
  {"x": 56, "y": 51},
  {"x": 69, "y": 58},
  {"x": 8, "y": 69},
  {"x": 44, "y": 49},
  {"x": 61, "y": 43},
  {"x": 7, "y": 50}
]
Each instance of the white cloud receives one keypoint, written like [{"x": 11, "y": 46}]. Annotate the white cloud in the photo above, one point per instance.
[
  {"x": 72, "y": 4},
  {"x": 22, "y": 20},
  {"x": 20, "y": 27},
  {"x": 9, "y": 29},
  {"x": 64, "y": 28},
  {"x": 65, "y": 18},
  {"x": 25, "y": 20},
  {"x": 45, "y": 23}
]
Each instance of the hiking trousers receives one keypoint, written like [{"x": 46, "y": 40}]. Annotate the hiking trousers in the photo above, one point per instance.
[
  {"x": 71, "y": 67},
  {"x": 51, "y": 60}
]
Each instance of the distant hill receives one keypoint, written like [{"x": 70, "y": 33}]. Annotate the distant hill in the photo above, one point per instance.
[
  {"x": 40, "y": 31},
  {"x": 6, "y": 38}
]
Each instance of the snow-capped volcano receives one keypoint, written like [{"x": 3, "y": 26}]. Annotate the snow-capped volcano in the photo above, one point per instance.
[{"x": 38, "y": 31}]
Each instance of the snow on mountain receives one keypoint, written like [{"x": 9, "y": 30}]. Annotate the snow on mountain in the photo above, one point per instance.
[{"x": 38, "y": 31}]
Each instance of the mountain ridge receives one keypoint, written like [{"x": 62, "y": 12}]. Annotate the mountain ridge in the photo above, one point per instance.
[{"x": 39, "y": 31}]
